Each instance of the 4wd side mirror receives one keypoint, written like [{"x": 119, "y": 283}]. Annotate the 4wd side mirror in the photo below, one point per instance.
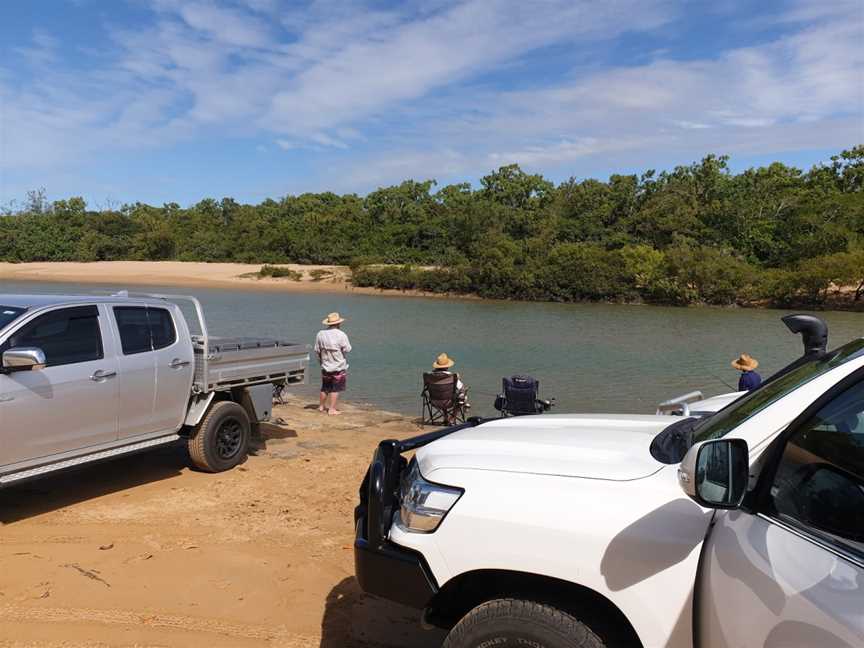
[
  {"x": 715, "y": 473},
  {"x": 23, "y": 359}
]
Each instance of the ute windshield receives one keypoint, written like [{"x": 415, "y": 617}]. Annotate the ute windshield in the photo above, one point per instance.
[
  {"x": 742, "y": 409},
  {"x": 8, "y": 314}
]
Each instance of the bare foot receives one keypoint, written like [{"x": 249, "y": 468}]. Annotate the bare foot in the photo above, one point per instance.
[
  {"x": 321, "y": 409},
  {"x": 333, "y": 412}
]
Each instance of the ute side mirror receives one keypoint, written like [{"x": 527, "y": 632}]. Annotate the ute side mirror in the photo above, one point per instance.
[
  {"x": 715, "y": 474},
  {"x": 24, "y": 359}
]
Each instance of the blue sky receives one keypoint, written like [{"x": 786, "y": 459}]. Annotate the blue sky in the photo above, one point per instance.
[{"x": 163, "y": 100}]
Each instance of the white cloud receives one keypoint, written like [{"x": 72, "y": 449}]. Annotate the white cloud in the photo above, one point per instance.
[
  {"x": 226, "y": 25},
  {"x": 395, "y": 93},
  {"x": 414, "y": 58}
]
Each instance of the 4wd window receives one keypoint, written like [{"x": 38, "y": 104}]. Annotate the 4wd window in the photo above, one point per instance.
[
  {"x": 8, "y": 314},
  {"x": 134, "y": 329},
  {"x": 144, "y": 329},
  {"x": 66, "y": 336},
  {"x": 742, "y": 409},
  {"x": 161, "y": 328},
  {"x": 819, "y": 483}
]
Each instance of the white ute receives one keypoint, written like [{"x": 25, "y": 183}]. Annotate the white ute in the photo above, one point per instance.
[
  {"x": 88, "y": 378},
  {"x": 742, "y": 529}
]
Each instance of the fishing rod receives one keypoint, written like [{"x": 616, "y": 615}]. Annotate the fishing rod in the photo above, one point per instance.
[{"x": 716, "y": 377}]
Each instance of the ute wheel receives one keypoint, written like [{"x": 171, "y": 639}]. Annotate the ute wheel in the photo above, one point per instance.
[
  {"x": 511, "y": 622},
  {"x": 221, "y": 440}
]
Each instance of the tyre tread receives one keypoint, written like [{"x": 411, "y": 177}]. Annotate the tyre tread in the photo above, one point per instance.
[
  {"x": 197, "y": 444},
  {"x": 572, "y": 631}
]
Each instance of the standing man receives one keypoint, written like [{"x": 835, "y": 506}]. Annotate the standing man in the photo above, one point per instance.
[
  {"x": 749, "y": 379},
  {"x": 331, "y": 345}
]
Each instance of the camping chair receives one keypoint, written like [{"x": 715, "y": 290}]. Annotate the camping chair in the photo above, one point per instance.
[
  {"x": 521, "y": 396},
  {"x": 443, "y": 404}
]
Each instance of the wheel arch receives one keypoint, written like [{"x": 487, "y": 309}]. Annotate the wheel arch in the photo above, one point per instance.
[
  {"x": 461, "y": 594},
  {"x": 200, "y": 406}
]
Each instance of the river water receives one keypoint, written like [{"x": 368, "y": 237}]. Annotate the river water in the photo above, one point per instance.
[{"x": 590, "y": 357}]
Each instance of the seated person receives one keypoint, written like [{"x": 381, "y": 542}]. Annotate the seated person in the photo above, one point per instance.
[{"x": 443, "y": 363}]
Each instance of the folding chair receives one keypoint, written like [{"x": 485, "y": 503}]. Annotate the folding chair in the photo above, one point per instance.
[
  {"x": 521, "y": 396},
  {"x": 443, "y": 403}
]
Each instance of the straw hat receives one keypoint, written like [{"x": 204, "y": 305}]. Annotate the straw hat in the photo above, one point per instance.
[
  {"x": 745, "y": 363},
  {"x": 333, "y": 319},
  {"x": 443, "y": 361}
]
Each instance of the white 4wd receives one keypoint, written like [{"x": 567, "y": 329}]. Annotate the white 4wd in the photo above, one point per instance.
[{"x": 743, "y": 529}]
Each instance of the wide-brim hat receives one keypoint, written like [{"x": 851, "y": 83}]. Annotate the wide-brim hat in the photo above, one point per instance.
[
  {"x": 745, "y": 363},
  {"x": 333, "y": 319},
  {"x": 443, "y": 361}
]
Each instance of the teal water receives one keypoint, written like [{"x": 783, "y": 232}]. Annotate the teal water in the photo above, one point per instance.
[{"x": 591, "y": 357}]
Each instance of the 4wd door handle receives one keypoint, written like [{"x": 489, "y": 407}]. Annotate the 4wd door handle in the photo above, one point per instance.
[
  {"x": 176, "y": 363},
  {"x": 102, "y": 375}
]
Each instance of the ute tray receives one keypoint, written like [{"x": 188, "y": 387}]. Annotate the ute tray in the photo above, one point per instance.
[{"x": 241, "y": 361}]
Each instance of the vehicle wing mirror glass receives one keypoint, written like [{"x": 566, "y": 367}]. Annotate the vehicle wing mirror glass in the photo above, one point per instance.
[
  {"x": 24, "y": 359},
  {"x": 715, "y": 473}
]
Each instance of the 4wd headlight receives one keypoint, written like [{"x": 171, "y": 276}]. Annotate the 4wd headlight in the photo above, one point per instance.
[{"x": 424, "y": 504}]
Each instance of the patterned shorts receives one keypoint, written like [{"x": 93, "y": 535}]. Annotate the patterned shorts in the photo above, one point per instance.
[{"x": 333, "y": 381}]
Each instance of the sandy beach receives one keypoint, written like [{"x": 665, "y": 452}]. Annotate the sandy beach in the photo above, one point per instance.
[
  {"x": 192, "y": 274},
  {"x": 180, "y": 273},
  {"x": 144, "y": 551}
]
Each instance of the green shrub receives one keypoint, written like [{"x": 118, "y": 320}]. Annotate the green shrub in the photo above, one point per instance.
[
  {"x": 268, "y": 270},
  {"x": 318, "y": 274}
]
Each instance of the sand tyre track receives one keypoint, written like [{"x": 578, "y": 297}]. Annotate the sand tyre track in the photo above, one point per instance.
[
  {"x": 221, "y": 440},
  {"x": 511, "y": 622}
]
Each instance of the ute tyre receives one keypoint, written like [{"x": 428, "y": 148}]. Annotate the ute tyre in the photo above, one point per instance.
[
  {"x": 520, "y": 624},
  {"x": 221, "y": 440}
]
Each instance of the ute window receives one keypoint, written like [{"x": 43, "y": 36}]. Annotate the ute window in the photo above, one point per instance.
[
  {"x": 161, "y": 328},
  {"x": 144, "y": 329},
  {"x": 66, "y": 336},
  {"x": 8, "y": 314}
]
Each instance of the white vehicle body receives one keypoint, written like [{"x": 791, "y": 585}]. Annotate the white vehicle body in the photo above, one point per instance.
[
  {"x": 694, "y": 404},
  {"x": 86, "y": 378},
  {"x": 577, "y": 504}
]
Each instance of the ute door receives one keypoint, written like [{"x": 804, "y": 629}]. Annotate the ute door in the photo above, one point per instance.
[
  {"x": 790, "y": 573},
  {"x": 70, "y": 404},
  {"x": 137, "y": 362},
  {"x": 174, "y": 368}
]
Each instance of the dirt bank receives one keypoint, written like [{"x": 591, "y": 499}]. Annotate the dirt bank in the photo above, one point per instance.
[{"x": 145, "y": 552}]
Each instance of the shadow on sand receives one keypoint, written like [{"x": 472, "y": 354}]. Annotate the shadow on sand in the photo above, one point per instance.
[
  {"x": 91, "y": 481},
  {"x": 95, "y": 480},
  {"x": 353, "y": 619}
]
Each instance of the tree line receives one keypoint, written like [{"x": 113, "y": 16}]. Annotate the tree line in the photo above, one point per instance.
[{"x": 700, "y": 233}]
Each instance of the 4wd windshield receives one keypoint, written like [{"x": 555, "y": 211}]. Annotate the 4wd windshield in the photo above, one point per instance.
[
  {"x": 9, "y": 313},
  {"x": 742, "y": 409}
]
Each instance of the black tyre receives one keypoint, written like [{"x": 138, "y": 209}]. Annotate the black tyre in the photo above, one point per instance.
[
  {"x": 221, "y": 440},
  {"x": 511, "y": 622}
]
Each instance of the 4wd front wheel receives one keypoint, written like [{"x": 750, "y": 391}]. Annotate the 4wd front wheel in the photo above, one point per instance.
[
  {"x": 512, "y": 622},
  {"x": 221, "y": 440}
]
